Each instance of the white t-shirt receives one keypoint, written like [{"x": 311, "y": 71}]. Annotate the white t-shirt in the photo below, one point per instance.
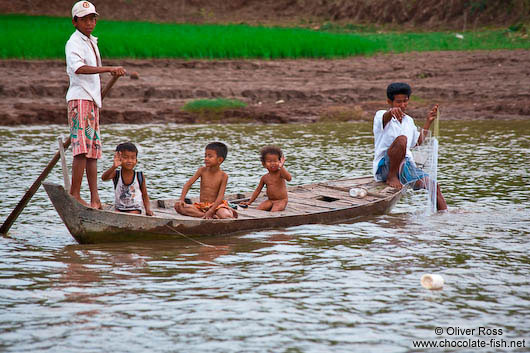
[
  {"x": 127, "y": 197},
  {"x": 383, "y": 137},
  {"x": 79, "y": 52}
]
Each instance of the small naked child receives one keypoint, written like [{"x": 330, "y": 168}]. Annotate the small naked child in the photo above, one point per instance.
[{"x": 273, "y": 160}]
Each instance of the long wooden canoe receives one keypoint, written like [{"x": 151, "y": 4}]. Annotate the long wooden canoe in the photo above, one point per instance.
[{"x": 325, "y": 202}]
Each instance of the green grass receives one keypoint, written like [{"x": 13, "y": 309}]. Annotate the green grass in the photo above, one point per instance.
[
  {"x": 213, "y": 104},
  {"x": 37, "y": 37}
]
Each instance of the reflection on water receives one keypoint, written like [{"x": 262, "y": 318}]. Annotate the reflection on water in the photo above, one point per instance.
[{"x": 313, "y": 288}]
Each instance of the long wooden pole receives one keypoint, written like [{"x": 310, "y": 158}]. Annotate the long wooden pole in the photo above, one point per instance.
[
  {"x": 66, "y": 177},
  {"x": 37, "y": 183}
]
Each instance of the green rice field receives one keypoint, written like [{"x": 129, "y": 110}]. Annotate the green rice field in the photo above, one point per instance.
[
  {"x": 213, "y": 104},
  {"x": 39, "y": 37}
]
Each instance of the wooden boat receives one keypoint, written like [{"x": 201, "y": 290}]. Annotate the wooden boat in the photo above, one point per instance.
[{"x": 325, "y": 202}]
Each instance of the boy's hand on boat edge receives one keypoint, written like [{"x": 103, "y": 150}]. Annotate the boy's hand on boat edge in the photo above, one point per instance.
[{"x": 179, "y": 204}]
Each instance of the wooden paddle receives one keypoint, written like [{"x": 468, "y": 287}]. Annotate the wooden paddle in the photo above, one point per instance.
[{"x": 37, "y": 183}]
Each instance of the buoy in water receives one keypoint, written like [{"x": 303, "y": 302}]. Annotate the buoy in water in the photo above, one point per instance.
[{"x": 432, "y": 281}]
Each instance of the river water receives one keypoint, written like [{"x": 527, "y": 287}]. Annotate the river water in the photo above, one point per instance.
[{"x": 314, "y": 288}]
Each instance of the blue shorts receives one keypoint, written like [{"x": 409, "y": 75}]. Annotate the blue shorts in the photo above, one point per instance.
[{"x": 408, "y": 172}]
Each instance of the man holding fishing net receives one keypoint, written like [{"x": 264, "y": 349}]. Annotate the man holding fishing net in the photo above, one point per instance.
[{"x": 395, "y": 133}]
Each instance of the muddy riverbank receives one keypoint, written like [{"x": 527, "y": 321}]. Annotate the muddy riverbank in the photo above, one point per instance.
[{"x": 474, "y": 85}]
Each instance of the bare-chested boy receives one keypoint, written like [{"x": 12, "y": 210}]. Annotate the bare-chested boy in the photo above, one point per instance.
[
  {"x": 213, "y": 186},
  {"x": 273, "y": 159}
]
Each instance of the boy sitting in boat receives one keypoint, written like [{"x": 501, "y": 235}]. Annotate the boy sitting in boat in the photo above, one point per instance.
[
  {"x": 213, "y": 186},
  {"x": 129, "y": 186},
  {"x": 273, "y": 160},
  {"x": 395, "y": 133}
]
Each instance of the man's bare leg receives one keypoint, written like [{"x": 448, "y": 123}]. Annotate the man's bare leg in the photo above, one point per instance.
[
  {"x": 92, "y": 177},
  {"x": 441, "y": 205},
  {"x": 78, "y": 170},
  {"x": 396, "y": 153}
]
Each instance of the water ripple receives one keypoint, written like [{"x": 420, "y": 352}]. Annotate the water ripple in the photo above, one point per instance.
[{"x": 311, "y": 288}]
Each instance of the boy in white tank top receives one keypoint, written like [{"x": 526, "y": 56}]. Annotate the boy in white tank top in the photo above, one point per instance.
[{"x": 129, "y": 186}]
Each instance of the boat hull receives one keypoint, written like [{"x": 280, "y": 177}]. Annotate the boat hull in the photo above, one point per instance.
[{"x": 90, "y": 226}]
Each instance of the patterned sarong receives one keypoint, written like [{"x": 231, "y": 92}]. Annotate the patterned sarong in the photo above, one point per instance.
[{"x": 83, "y": 118}]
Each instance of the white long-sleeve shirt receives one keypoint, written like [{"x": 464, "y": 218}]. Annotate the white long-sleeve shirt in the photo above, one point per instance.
[{"x": 80, "y": 52}]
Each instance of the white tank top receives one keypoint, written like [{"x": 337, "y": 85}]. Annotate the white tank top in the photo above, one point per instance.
[{"x": 127, "y": 197}]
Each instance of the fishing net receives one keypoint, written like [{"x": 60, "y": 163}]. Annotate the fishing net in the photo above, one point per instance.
[{"x": 426, "y": 159}]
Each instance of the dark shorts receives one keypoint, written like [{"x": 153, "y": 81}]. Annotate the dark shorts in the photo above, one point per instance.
[{"x": 408, "y": 172}]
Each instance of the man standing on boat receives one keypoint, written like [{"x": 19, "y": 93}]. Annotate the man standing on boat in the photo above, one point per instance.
[
  {"x": 83, "y": 65},
  {"x": 395, "y": 133}
]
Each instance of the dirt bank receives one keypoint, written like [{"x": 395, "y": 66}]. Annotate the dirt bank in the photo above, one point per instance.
[
  {"x": 468, "y": 85},
  {"x": 426, "y": 14}
]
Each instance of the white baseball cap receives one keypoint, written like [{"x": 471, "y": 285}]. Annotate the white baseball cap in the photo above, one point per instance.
[{"x": 83, "y": 8}]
